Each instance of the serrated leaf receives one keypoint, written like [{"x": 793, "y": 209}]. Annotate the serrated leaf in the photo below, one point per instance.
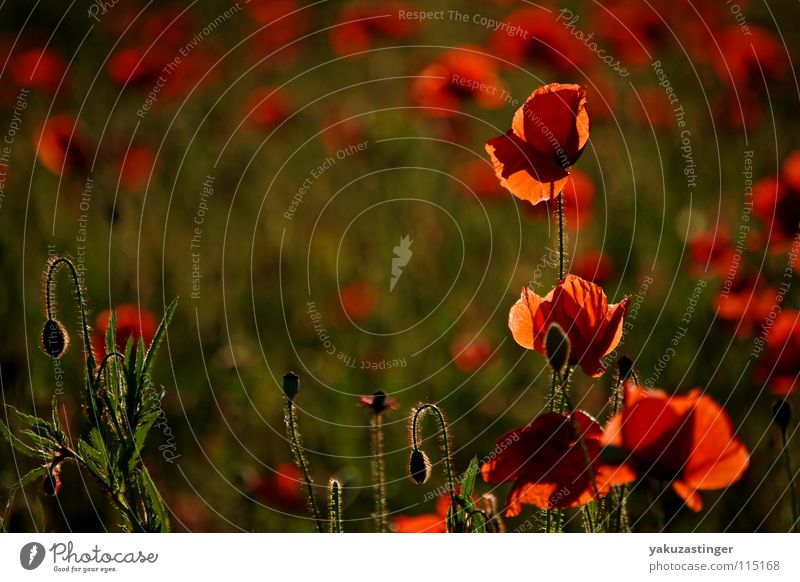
[
  {"x": 159, "y": 520},
  {"x": 157, "y": 338},
  {"x": 18, "y": 444},
  {"x": 30, "y": 477},
  {"x": 45, "y": 443}
]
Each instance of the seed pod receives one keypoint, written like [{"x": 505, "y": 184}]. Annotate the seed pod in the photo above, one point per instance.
[
  {"x": 55, "y": 339},
  {"x": 419, "y": 467},
  {"x": 625, "y": 367},
  {"x": 557, "y": 347},
  {"x": 291, "y": 385},
  {"x": 782, "y": 414}
]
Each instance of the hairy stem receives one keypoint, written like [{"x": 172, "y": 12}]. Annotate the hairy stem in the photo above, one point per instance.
[
  {"x": 378, "y": 475},
  {"x": 446, "y": 443},
  {"x": 291, "y": 425}
]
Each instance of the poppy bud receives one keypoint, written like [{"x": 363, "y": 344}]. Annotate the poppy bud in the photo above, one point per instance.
[
  {"x": 782, "y": 411},
  {"x": 419, "y": 467},
  {"x": 54, "y": 338},
  {"x": 625, "y": 367},
  {"x": 51, "y": 484},
  {"x": 291, "y": 385},
  {"x": 557, "y": 347}
]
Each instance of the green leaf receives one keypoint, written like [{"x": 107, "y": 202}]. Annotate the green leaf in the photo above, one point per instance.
[
  {"x": 158, "y": 517},
  {"x": 157, "y": 338},
  {"x": 469, "y": 479},
  {"x": 30, "y": 477},
  {"x": 45, "y": 443},
  {"x": 111, "y": 333},
  {"x": 19, "y": 445}
]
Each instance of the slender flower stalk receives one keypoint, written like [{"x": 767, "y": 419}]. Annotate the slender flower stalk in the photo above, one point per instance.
[
  {"x": 618, "y": 518},
  {"x": 291, "y": 384},
  {"x": 560, "y": 231},
  {"x": 335, "y": 507},
  {"x": 445, "y": 435},
  {"x": 378, "y": 403},
  {"x": 782, "y": 416}
]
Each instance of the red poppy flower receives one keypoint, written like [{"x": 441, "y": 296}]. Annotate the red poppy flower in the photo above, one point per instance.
[
  {"x": 780, "y": 365},
  {"x": 745, "y": 303},
  {"x": 687, "y": 440},
  {"x": 744, "y": 62},
  {"x": 476, "y": 178},
  {"x": 547, "y": 463},
  {"x": 455, "y": 77},
  {"x": 777, "y": 203},
  {"x": 39, "y": 68},
  {"x": 358, "y": 300},
  {"x": 135, "y": 167},
  {"x": 533, "y": 35},
  {"x": 470, "y": 352},
  {"x": 711, "y": 251},
  {"x": 131, "y": 322},
  {"x": 594, "y": 266},
  {"x": 378, "y": 402},
  {"x": 632, "y": 30},
  {"x": 359, "y": 27},
  {"x": 578, "y": 197},
  {"x": 283, "y": 488},
  {"x": 547, "y": 136},
  {"x": 425, "y": 523},
  {"x": 266, "y": 107},
  {"x": 137, "y": 66},
  {"x": 60, "y": 148},
  {"x": 581, "y": 308}
]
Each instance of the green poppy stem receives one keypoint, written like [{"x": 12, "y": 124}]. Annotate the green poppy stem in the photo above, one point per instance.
[
  {"x": 446, "y": 445},
  {"x": 291, "y": 425},
  {"x": 379, "y": 475}
]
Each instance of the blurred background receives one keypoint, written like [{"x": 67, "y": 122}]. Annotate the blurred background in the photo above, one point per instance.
[{"x": 309, "y": 178}]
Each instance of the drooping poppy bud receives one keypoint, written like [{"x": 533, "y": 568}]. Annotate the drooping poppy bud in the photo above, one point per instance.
[
  {"x": 291, "y": 385},
  {"x": 557, "y": 346},
  {"x": 419, "y": 467},
  {"x": 55, "y": 339},
  {"x": 625, "y": 367},
  {"x": 782, "y": 411}
]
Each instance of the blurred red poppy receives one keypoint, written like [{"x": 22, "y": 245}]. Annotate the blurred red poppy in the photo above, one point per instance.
[
  {"x": 39, "y": 68},
  {"x": 780, "y": 364},
  {"x": 547, "y": 136},
  {"x": 470, "y": 352},
  {"x": 686, "y": 440},
  {"x": 425, "y": 523},
  {"x": 744, "y": 302},
  {"x": 358, "y": 300},
  {"x": 282, "y": 488},
  {"x": 593, "y": 266},
  {"x": 744, "y": 62},
  {"x": 547, "y": 463},
  {"x": 631, "y": 30},
  {"x": 135, "y": 167},
  {"x": 266, "y": 107},
  {"x": 378, "y": 402},
  {"x": 359, "y": 27},
  {"x": 776, "y": 201},
  {"x": 61, "y": 148},
  {"x": 132, "y": 322},
  {"x": 477, "y": 177},
  {"x": 453, "y": 78},
  {"x": 711, "y": 252},
  {"x": 581, "y": 308},
  {"x": 533, "y": 35}
]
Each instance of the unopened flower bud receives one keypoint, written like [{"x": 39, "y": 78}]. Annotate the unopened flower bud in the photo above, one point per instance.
[
  {"x": 782, "y": 411},
  {"x": 55, "y": 339},
  {"x": 419, "y": 467},
  {"x": 291, "y": 385},
  {"x": 557, "y": 347}
]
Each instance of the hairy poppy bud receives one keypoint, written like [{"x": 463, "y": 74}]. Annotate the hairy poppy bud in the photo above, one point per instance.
[
  {"x": 419, "y": 467},
  {"x": 291, "y": 385},
  {"x": 625, "y": 367},
  {"x": 782, "y": 411},
  {"x": 557, "y": 347},
  {"x": 54, "y": 338}
]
